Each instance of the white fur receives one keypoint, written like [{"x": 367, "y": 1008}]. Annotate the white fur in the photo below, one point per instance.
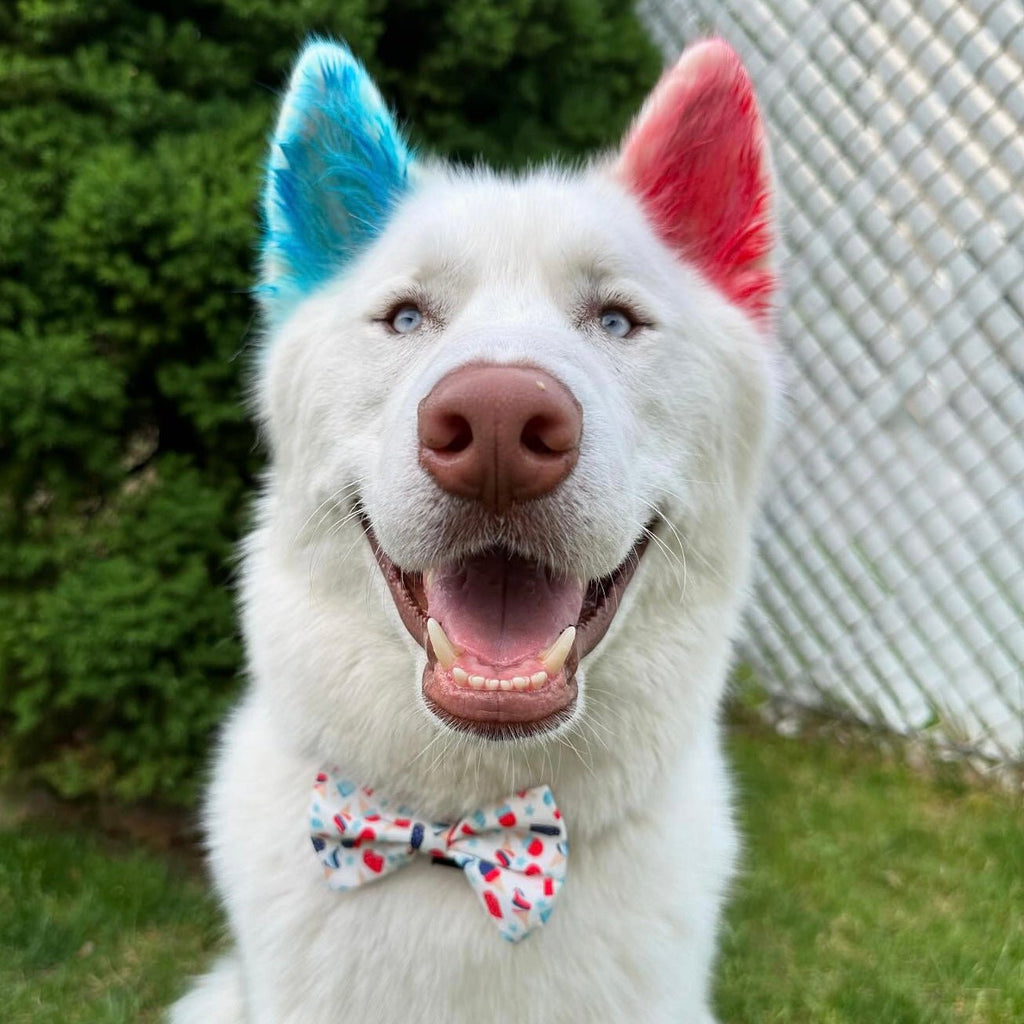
[{"x": 675, "y": 421}]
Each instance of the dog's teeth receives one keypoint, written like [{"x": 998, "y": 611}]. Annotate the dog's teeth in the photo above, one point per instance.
[
  {"x": 517, "y": 683},
  {"x": 554, "y": 657},
  {"x": 445, "y": 650}
]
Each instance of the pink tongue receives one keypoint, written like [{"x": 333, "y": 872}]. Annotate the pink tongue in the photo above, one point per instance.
[{"x": 502, "y": 609}]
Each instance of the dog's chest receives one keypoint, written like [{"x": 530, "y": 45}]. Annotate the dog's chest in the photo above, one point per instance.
[{"x": 418, "y": 944}]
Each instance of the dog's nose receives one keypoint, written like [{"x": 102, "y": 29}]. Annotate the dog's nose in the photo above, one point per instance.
[{"x": 499, "y": 434}]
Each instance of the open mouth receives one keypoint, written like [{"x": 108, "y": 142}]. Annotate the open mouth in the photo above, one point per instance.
[{"x": 503, "y": 635}]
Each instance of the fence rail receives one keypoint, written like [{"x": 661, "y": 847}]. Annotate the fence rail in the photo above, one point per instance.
[{"x": 890, "y": 582}]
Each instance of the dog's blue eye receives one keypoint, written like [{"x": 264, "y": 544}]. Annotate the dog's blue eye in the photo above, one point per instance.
[
  {"x": 615, "y": 323},
  {"x": 406, "y": 319}
]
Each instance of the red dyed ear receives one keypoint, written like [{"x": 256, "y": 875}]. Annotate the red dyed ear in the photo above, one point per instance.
[{"x": 697, "y": 160}]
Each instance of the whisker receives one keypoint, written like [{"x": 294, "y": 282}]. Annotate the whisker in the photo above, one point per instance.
[{"x": 568, "y": 742}]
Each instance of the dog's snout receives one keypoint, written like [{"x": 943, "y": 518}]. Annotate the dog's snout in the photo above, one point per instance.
[{"x": 499, "y": 434}]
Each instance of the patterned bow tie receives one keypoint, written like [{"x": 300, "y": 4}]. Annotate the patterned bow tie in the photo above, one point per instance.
[{"x": 514, "y": 855}]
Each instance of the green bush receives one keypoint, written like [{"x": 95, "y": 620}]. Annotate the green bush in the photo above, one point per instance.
[{"x": 131, "y": 142}]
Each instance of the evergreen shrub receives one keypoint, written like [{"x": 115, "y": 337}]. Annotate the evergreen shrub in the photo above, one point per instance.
[{"x": 131, "y": 140}]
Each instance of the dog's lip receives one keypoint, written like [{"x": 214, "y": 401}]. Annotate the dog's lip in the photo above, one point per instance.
[
  {"x": 504, "y": 714},
  {"x": 500, "y": 715}
]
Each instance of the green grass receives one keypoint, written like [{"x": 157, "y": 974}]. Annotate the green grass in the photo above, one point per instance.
[
  {"x": 870, "y": 894},
  {"x": 93, "y": 931}
]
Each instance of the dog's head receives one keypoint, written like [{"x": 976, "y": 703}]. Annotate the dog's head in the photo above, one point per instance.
[{"x": 502, "y": 407}]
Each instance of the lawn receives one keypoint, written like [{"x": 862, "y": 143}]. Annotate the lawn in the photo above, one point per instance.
[
  {"x": 871, "y": 893},
  {"x": 93, "y": 930}
]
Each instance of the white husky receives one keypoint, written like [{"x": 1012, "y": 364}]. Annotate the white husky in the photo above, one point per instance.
[{"x": 517, "y": 425}]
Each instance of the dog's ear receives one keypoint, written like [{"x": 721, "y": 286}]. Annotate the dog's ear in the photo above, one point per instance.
[
  {"x": 697, "y": 159},
  {"x": 337, "y": 166}
]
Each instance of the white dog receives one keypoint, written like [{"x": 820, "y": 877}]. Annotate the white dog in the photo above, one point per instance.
[{"x": 516, "y": 427}]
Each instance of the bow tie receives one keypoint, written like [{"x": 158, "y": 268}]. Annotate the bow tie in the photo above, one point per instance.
[{"x": 513, "y": 855}]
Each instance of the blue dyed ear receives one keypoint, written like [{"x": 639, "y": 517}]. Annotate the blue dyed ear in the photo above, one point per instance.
[{"x": 337, "y": 167}]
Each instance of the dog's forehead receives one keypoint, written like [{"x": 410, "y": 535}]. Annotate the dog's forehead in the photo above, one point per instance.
[{"x": 575, "y": 220}]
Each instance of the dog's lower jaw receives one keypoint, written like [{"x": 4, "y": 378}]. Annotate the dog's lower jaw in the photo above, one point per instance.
[{"x": 497, "y": 715}]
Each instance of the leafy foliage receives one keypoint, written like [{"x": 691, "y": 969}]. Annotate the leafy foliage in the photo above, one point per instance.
[{"x": 131, "y": 141}]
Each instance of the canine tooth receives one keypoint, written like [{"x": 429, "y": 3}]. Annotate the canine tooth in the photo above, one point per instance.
[
  {"x": 461, "y": 675},
  {"x": 445, "y": 650},
  {"x": 477, "y": 682},
  {"x": 492, "y": 684},
  {"x": 554, "y": 657},
  {"x": 520, "y": 682},
  {"x": 538, "y": 678}
]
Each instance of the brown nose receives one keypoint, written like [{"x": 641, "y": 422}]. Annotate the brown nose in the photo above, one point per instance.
[{"x": 499, "y": 434}]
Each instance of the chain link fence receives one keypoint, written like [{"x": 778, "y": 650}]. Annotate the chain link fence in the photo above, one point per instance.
[{"x": 890, "y": 583}]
